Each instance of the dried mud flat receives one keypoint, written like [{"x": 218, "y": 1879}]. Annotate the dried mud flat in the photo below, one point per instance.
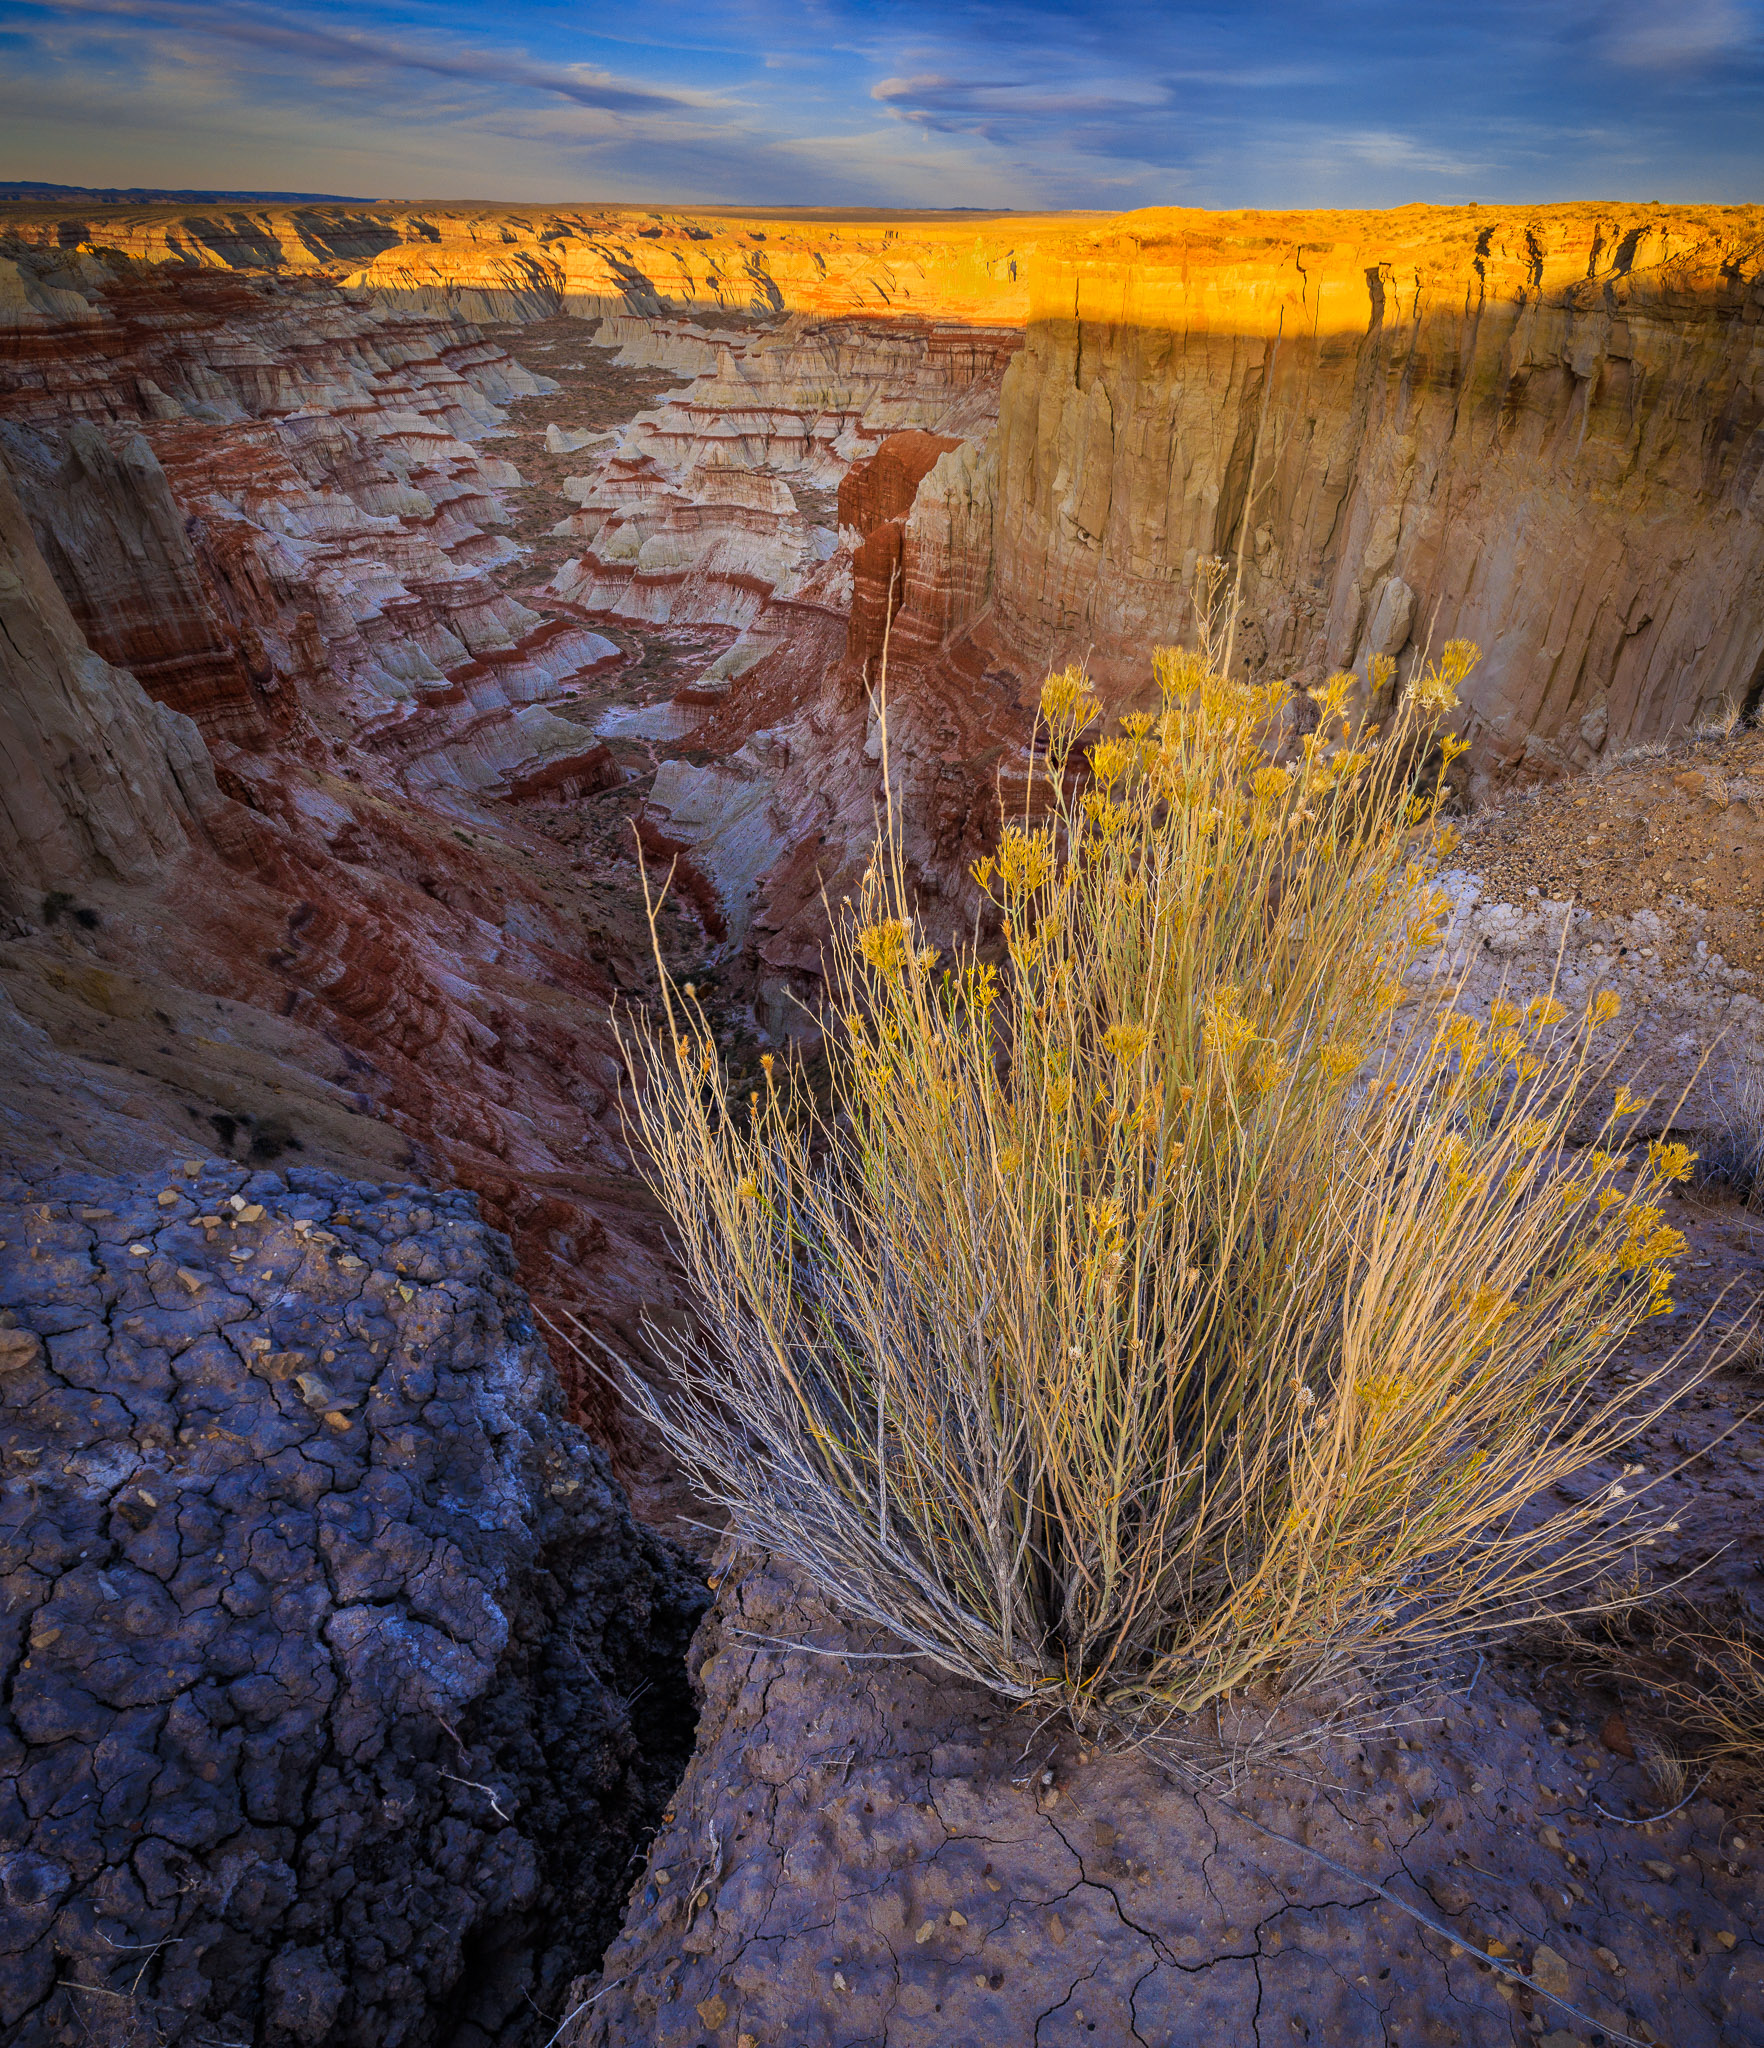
[{"x": 324, "y": 1631}]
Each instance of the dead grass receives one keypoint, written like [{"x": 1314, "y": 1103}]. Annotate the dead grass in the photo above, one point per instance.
[
  {"x": 1182, "y": 1296},
  {"x": 1705, "y": 1670},
  {"x": 1733, "y": 1153}
]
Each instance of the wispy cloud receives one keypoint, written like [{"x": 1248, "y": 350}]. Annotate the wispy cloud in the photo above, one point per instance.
[
  {"x": 1682, "y": 35},
  {"x": 1031, "y": 103},
  {"x": 286, "y": 35}
]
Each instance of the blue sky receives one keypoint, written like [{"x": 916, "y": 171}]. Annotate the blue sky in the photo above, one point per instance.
[{"x": 895, "y": 102}]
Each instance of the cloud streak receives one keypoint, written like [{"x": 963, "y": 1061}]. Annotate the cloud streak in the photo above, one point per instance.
[
  {"x": 285, "y": 35},
  {"x": 1030, "y": 103}
]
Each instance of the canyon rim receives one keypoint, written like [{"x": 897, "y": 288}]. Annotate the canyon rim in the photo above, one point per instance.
[{"x": 390, "y": 592}]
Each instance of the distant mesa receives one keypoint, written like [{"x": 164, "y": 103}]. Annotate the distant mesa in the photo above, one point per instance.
[{"x": 149, "y": 195}]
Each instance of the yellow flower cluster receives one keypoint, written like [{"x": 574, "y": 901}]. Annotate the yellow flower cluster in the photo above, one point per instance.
[
  {"x": 1025, "y": 860},
  {"x": 1227, "y": 1030},
  {"x": 1126, "y": 1041},
  {"x": 887, "y": 946},
  {"x": 1339, "y": 1058},
  {"x": 1435, "y": 690},
  {"x": 1671, "y": 1161},
  {"x": 1067, "y": 699}
]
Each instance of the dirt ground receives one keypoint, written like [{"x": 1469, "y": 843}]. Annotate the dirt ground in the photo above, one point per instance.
[{"x": 1685, "y": 821}]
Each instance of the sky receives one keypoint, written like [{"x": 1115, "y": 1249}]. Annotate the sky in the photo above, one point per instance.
[{"x": 912, "y": 103}]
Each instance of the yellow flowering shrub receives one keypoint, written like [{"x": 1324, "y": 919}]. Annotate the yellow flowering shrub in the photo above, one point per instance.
[{"x": 1177, "y": 1291}]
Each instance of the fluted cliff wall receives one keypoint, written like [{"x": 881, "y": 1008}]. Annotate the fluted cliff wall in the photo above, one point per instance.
[{"x": 1544, "y": 431}]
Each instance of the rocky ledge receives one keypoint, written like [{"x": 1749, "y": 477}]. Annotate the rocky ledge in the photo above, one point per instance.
[
  {"x": 340, "y": 1686},
  {"x": 866, "y": 1852}
]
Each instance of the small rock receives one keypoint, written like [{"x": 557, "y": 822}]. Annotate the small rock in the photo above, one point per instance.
[
  {"x": 957, "y": 1920},
  {"x": 17, "y": 1348},
  {"x": 1663, "y": 1871},
  {"x": 1607, "y": 1960},
  {"x": 192, "y": 1281},
  {"x": 1616, "y": 1737},
  {"x": 166, "y": 1197},
  {"x": 1056, "y": 1930},
  {"x": 1549, "y": 1838},
  {"x": 924, "y": 1931},
  {"x": 1550, "y": 1971},
  {"x": 714, "y": 2011},
  {"x": 1726, "y": 1939}
]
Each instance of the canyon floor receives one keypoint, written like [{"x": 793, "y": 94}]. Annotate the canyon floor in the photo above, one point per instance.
[{"x": 389, "y": 619}]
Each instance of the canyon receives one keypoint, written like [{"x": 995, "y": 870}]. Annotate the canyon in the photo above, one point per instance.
[{"x": 400, "y": 604}]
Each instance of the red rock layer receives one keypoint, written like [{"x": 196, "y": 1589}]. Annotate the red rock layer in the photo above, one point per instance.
[
  {"x": 274, "y": 506},
  {"x": 874, "y": 500}
]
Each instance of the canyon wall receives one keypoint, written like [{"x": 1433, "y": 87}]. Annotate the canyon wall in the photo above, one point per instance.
[
  {"x": 391, "y": 598},
  {"x": 1538, "y": 427},
  {"x": 96, "y": 779},
  {"x": 400, "y": 702},
  {"x": 1543, "y": 431},
  {"x": 267, "y": 710}
]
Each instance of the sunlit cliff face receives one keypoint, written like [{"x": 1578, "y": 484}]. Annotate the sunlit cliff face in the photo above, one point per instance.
[{"x": 460, "y": 552}]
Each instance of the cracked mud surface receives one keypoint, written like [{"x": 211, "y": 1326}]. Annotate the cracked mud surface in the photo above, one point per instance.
[
  {"x": 868, "y": 1853},
  {"x": 338, "y": 1681}
]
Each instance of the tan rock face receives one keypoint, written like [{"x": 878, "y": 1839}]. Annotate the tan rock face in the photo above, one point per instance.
[
  {"x": 1540, "y": 431},
  {"x": 875, "y": 500}
]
